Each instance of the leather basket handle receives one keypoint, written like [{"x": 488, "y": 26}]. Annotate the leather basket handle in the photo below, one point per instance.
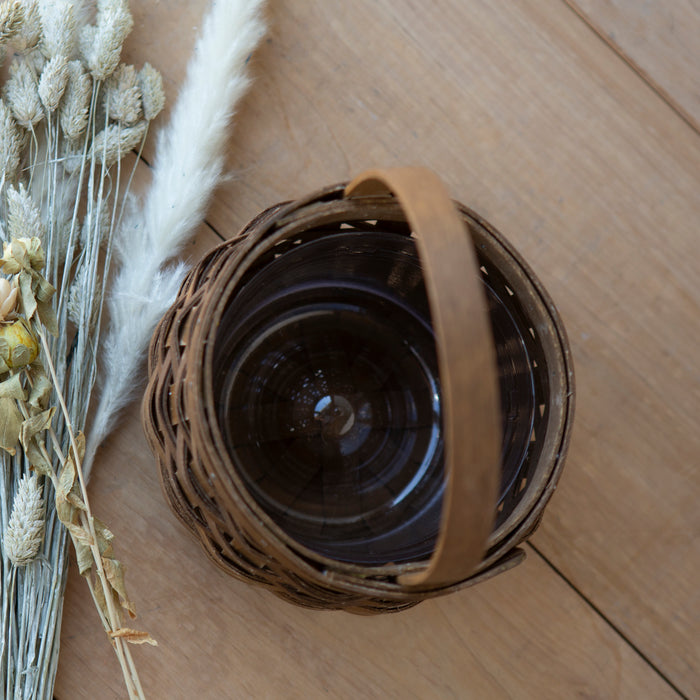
[{"x": 467, "y": 367}]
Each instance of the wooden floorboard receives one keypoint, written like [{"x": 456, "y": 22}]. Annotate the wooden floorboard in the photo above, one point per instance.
[
  {"x": 525, "y": 634},
  {"x": 658, "y": 38},
  {"x": 543, "y": 129}
]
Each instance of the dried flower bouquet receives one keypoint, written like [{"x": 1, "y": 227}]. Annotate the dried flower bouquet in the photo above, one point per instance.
[{"x": 70, "y": 112}]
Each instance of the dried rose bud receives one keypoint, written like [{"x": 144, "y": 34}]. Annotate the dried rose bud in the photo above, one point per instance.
[
  {"x": 20, "y": 345},
  {"x": 8, "y": 299}
]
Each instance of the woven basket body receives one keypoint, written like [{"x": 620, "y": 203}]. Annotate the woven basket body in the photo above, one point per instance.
[{"x": 199, "y": 477}]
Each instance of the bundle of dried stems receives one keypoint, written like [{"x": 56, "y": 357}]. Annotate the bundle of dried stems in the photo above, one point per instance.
[{"x": 73, "y": 252}]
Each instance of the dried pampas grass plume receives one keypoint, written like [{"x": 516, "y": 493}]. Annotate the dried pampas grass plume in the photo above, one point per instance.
[
  {"x": 25, "y": 529},
  {"x": 188, "y": 165}
]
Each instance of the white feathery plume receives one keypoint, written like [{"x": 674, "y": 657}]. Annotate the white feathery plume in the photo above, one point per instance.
[{"x": 188, "y": 165}]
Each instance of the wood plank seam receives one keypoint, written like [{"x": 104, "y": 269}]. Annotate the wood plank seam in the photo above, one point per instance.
[
  {"x": 653, "y": 84},
  {"x": 644, "y": 657}
]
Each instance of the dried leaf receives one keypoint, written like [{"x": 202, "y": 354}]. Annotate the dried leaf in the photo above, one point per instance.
[
  {"x": 38, "y": 459},
  {"x": 30, "y": 428},
  {"x": 104, "y": 538},
  {"x": 26, "y": 294},
  {"x": 43, "y": 289},
  {"x": 20, "y": 356},
  {"x": 83, "y": 555},
  {"x": 41, "y": 387},
  {"x": 10, "y": 424},
  {"x": 115, "y": 571},
  {"x": 12, "y": 388},
  {"x": 47, "y": 314},
  {"x": 35, "y": 424},
  {"x": 133, "y": 636}
]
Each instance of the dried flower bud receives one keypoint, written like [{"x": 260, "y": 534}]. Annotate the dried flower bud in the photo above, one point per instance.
[
  {"x": 22, "y": 95},
  {"x": 25, "y": 528},
  {"x": 10, "y": 143},
  {"x": 8, "y": 298},
  {"x": 22, "y": 254},
  {"x": 76, "y": 101},
  {"x": 101, "y": 46},
  {"x": 123, "y": 96},
  {"x": 10, "y": 19},
  {"x": 59, "y": 28},
  {"x": 19, "y": 346},
  {"x": 23, "y": 215},
  {"x": 114, "y": 142},
  {"x": 53, "y": 81},
  {"x": 152, "y": 93}
]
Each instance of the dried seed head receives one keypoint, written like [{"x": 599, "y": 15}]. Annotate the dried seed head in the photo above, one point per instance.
[
  {"x": 59, "y": 28},
  {"x": 22, "y": 95},
  {"x": 114, "y": 142},
  {"x": 95, "y": 228},
  {"x": 53, "y": 81},
  {"x": 30, "y": 30},
  {"x": 11, "y": 16},
  {"x": 8, "y": 298},
  {"x": 123, "y": 96},
  {"x": 72, "y": 155},
  {"x": 10, "y": 143},
  {"x": 76, "y": 101},
  {"x": 101, "y": 46},
  {"x": 23, "y": 215},
  {"x": 79, "y": 298},
  {"x": 25, "y": 528},
  {"x": 152, "y": 93}
]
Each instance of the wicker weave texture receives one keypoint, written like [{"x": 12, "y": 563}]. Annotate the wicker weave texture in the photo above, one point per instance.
[{"x": 198, "y": 476}]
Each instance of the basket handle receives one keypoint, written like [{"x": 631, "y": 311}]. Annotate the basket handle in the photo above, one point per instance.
[{"x": 467, "y": 366}]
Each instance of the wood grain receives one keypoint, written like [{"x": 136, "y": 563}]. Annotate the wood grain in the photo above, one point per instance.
[
  {"x": 525, "y": 634},
  {"x": 660, "y": 39},
  {"x": 546, "y": 132}
]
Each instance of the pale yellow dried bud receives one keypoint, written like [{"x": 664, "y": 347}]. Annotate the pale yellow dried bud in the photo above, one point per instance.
[
  {"x": 76, "y": 101},
  {"x": 22, "y": 95},
  {"x": 101, "y": 46},
  {"x": 10, "y": 19},
  {"x": 59, "y": 28},
  {"x": 10, "y": 143},
  {"x": 114, "y": 142},
  {"x": 25, "y": 528},
  {"x": 123, "y": 96},
  {"x": 152, "y": 94},
  {"x": 8, "y": 298},
  {"x": 23, "y": 215},
  {"x": 53, "y": 81}
]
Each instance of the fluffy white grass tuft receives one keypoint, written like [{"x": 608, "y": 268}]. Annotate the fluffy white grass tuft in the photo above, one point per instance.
[{"x": 188, "y": 165}]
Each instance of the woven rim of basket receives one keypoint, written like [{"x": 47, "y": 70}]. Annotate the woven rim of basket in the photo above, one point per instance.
[{"x": 198, "y": 475}]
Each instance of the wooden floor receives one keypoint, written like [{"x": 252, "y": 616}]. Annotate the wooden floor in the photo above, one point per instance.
[{"x": 573, "y": 126}]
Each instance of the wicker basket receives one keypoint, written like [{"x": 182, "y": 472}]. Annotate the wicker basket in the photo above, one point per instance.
[{"x": 506, "y": 404}]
